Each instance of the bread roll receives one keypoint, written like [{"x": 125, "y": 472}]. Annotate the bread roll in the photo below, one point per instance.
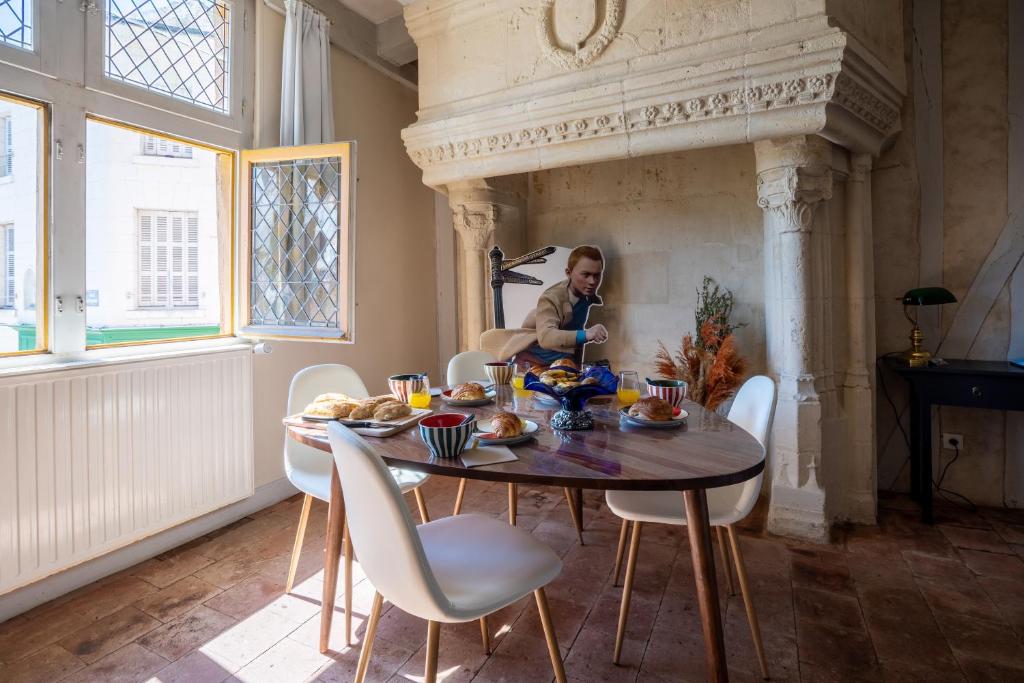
[
  {"x": 392, "y": 411},
  {"x": 566, "y": 363},
  {"x": 368, "y": 407},
  {"x": 652, "y": 408}
]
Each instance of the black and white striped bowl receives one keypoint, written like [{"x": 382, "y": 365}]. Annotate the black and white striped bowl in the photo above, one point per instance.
[{"x": 444, "y": 435}]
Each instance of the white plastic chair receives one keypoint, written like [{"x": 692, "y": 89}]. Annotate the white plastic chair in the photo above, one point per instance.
[
  {"x": 753, "y": 410},
  {"x": 309, "y": 470},
  {"x": 468, "y": 367},
  {"x": 451, "y": 570}
]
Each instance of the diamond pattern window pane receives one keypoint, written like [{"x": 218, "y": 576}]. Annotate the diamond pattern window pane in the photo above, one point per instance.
[
  {"x": 179, "y": 48},
  {"x": 16, "y": 23},
  {"x": 295, "y": 250}
]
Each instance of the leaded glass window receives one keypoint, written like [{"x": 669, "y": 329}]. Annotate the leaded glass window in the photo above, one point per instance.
[
  {"x": 16, "y": 23},
  {"x": 179, "y": 48},
  {"x": 298, "y": 230}
]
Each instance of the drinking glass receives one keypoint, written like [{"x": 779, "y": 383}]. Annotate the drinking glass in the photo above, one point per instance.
[
  {"x": 629, "y": 387},
  {"x": 519, "y": 376},
  {"x": 419, "y": 397}
]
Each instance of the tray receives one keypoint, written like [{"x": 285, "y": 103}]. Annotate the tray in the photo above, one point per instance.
[{"x": 394, "y": 427}]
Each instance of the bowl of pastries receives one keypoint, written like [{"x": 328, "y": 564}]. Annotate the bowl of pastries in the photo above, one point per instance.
[
  {"x": 505, "y": 429},
  {"x": 345, "y": 409},
  {"x": 568, "y": 386},
  {"x": 652, "y": 411},
  {"x": 467, "y": 394}
]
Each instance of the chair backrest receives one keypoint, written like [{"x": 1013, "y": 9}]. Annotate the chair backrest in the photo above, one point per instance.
[
  {"x": 468, "y": 367},
  {"x": 518, "y": 299},
  {"x": 309, "y": 383},
  {"x": 753, "y": 409},
  {"x": 381, "y": 528}
]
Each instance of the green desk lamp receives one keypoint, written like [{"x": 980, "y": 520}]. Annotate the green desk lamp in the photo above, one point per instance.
[{"x": 917, "y": 357}]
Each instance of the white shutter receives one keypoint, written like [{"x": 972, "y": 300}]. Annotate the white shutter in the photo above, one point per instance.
[
  {"x": 192, "y": 260},
  {"x": 146, "y": 254},
  {"x": 7, "y": 161},
  {"x": 9, "y": 266}
]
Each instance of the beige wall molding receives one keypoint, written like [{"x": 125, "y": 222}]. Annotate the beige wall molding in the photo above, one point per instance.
[{"x": 582, "y": 53}]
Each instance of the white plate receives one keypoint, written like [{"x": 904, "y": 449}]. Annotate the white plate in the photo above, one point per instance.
[
  {"x": 656, "y": 424},
  {"x": 529, "y": 429},
  {"x": 488, "y": 397}
]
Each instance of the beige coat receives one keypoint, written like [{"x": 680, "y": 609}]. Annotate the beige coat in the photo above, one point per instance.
[{"x": 543, "y": 325}]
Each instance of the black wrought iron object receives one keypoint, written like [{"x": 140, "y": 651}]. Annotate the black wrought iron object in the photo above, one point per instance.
[{"x": 501, "y": 273}]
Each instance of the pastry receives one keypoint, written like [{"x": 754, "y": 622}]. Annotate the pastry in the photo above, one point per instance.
[
  {"x": 566, "y": 364},
  {"x": 332, "y": 409},
  {"x": 331, "y": 396},
  {"x": 505, "y": 425},
  {"x": 391, "y": 411},
  {"x": 470, "y": 391},
  {"x": 652, "y": 408},
  {"x": 368, "y": 407},
  {"x": 566, "y": 385},
  {"x": 588, "y": 381}
]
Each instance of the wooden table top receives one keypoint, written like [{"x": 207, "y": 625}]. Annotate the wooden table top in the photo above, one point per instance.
[{"x": 708, "y": 452}]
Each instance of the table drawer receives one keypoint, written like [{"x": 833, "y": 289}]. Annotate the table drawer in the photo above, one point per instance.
[{"x": 973, "y": 392}]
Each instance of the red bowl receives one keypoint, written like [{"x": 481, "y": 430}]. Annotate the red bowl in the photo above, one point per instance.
[{"x": 442, "y": 420}]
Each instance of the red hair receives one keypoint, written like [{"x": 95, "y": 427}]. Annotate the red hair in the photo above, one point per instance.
[{"x": 584, "y": 251}]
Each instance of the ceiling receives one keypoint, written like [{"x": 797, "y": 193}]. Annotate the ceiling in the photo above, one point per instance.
[{"x": 376, "y": 11}]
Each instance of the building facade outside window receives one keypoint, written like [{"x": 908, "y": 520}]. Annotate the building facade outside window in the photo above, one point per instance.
[
  {"x": 6, "y": 146},
  {"x": 7, "y": 250}
]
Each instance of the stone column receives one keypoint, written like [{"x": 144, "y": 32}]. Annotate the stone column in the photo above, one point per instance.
[
  {"x": 794, "y": 178},
  {"x": 860, "y": 481}
]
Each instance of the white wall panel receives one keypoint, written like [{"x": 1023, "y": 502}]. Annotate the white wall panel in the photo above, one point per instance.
[{"x": 96, "y": 458}]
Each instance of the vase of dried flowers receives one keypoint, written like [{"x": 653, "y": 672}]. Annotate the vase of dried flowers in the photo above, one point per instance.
[{"x": 709, "y": 363}]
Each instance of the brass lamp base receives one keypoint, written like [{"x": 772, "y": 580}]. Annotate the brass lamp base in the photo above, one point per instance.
[{"x": 917, "y": 357}]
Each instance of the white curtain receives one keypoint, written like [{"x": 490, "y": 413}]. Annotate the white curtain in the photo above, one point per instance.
[{"x": 307, "y": 110}]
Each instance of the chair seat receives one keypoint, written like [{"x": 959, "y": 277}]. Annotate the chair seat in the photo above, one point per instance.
[
  {"x": 482, "y": 564},
  {"x": 666, "y": 507},
  {"x": 313, "y": 476}
]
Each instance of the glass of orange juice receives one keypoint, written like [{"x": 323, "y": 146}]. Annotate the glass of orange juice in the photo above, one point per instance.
[
  {"x": 629, "y": 387},
  {"x": 419, "y": 397},
  {"x": 519, "y": 375}
]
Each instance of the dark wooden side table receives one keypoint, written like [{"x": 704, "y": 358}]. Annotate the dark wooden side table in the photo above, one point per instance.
[{"x": 966, "y": 383}]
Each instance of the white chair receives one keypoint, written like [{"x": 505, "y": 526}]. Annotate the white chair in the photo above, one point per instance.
[
  {"x": 753, "y": 410},
  {"x": 468, "y": 367},
  {"x": 309, "y": 470},
  {"x": 451, "y": 570}
]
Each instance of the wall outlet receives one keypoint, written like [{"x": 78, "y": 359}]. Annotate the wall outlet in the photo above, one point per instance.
[{"x": 948, "y": 439}]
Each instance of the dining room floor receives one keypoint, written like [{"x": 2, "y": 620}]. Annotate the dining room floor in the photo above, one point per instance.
[{"x": 898, "y": 602}]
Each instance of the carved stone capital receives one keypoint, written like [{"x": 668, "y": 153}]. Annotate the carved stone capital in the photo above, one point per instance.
[
  {"x": 860, "y": 167},
  {"x": 476, "y": 224},
  {"x": 794, "y": 176}
]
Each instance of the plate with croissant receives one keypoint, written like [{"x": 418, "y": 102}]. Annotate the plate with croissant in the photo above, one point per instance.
[
  {"x": 468, "y": 394},
  {"x": 505, "y": 429},
  {"x": 651, "y": 411}
]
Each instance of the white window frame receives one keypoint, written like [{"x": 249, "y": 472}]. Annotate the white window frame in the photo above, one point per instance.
[{"x": 62, "y": 60}]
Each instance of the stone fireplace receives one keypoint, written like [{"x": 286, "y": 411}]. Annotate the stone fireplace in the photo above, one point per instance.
[{"x": 685, "y": 138}]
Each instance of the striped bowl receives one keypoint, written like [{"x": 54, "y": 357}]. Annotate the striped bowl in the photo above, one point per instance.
[
  {"x": 443, "y": 434},
  {"x": 671, "y": 390},
  {"x": 403, "y": 385},
  {"x": 499, "y": 373}
]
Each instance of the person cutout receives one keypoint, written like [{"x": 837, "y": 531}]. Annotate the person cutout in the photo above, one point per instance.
[{"x": 556, "y": 328}]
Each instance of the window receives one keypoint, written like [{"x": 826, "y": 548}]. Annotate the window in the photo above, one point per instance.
[
  {"x": 179, "y": 48},
  {"x": 7, "y": 249},
  {"x": 153, "y": 146},
  {"x": 16, "y": 23},
  {"x": 6, "y": 146},
  {"x": 158, "y": 239},
  {"x": 296, "y": 233}
]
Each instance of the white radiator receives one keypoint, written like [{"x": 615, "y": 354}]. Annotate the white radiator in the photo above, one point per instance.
[{"x": 96, "y": 458}]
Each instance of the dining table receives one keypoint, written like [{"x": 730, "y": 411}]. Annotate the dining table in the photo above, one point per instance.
[{"x": 706, "y": 451}]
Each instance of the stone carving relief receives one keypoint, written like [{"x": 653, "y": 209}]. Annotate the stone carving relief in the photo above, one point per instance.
[
  {"x": 476, "y": 227},
  {"x": 589, "y": 49},
  {"x": 793, "y": 193}
]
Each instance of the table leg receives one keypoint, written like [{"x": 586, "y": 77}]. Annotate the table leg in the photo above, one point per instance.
[
  {"x": 924, "y": 453},
  {"x": 699, "y": 530},
  {"x": 332, "y": 557},
  {"x": 578, "y": 501},
  {"x": 915, "y": 447}
]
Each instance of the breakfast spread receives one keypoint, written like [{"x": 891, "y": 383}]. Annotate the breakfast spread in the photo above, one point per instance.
[
  {"x": 652, "y": 408},
  {"x": 470, "y": 391}
]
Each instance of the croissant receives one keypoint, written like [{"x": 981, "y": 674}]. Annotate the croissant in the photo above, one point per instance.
[
  {"x": 391, "y": 411},
  {"x": 505, "y": 424},
  {"x": 567, "y": 363},
  {"x": 470, "y": 391},
  {"x": 652, "y": 408}
]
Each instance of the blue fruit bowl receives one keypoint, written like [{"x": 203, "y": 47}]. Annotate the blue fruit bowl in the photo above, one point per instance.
[{"x": 572, "y": 416}]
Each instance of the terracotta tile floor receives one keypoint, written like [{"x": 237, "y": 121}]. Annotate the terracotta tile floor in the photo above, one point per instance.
[{"x": 897, "y": 602}]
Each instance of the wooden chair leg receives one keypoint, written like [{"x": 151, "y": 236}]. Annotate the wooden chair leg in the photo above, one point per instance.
[
  {"x": 723, "y": 549},
  {"x": 300, "y": 535},
  {"x": 485, "y": 635},
  {"x": 368, "y": 636},
  {"x": 347, "y": 544},
  {"x": 433, "y": 636},
  {"x": 627, "y": 590},
  {"x": 549, "y": 634},
  {"x": 459, "y": 496},
  {"x": 571, "y": 500},
  {"x": 620, "y": 551},
  {"x": 513, "y": 499},
  {"x": 748, "y": 601},
  {"x": 422, "y": 504}
]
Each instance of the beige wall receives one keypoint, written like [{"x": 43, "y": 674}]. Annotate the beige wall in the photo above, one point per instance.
[
  {"x": 974, "y": 201},
  {"x": 663, "y": 222},
  {"x": 395, "y": 313}
]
